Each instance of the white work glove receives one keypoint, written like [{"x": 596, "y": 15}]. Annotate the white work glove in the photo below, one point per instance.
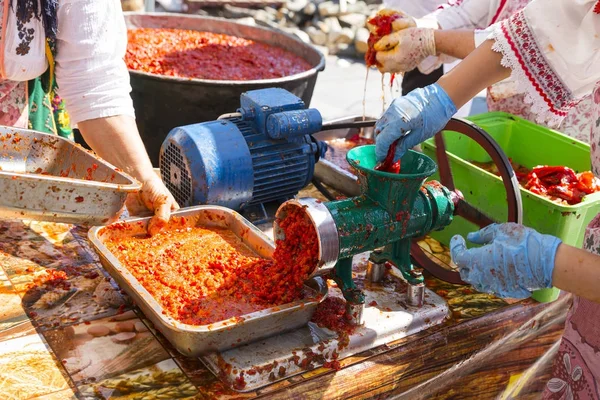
[
  {"x": 153, "y": 196},
  {"x": 404, "y": 50}
]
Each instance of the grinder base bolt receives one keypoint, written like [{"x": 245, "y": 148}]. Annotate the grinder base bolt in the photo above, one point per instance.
[
  {"x": 375, "y": 271},
  {"x": 355, "y": 313},
  {"x": 415, "y": 293}
]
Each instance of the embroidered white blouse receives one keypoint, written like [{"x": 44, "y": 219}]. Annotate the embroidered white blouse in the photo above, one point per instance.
[{"x": 90, "y": 71}]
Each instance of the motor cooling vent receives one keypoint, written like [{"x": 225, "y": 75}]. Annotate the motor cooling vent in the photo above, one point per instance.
[{"x": 176, "y": 175}]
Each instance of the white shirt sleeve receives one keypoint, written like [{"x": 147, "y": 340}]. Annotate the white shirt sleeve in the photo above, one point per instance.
[
  {"x": 481, "y": 35},
  {"x": 414, "y": 8},
  {"x": 91, "y": 74},
  {"x": 469, "y": 14}
]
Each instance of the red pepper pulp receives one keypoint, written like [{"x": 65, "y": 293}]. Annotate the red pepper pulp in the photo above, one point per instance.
[
  {"x": 205, "y": 275},
  {"x": 388, "y": 165},
  {"x": 206, "y": 55},
  {"x": 331, "y": 314},
  {"x": 383, "y": 24}
]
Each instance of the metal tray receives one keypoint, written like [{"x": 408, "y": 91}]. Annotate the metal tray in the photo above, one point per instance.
[
  {"x": 193, "y": 340},
  {"x": 45, "y": 178}
]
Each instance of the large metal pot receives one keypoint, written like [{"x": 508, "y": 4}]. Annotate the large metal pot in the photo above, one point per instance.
[{"x": 163, "y": 103}]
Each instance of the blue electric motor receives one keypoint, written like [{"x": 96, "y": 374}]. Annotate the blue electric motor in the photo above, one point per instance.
[{"x": 262, "y": 153}]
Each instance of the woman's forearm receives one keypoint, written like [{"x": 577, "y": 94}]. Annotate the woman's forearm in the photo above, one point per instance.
[
  {"x": 116, "y": 139},
  {"x": 479, "y": 70},
  {"x": 577, "y": 271},
  {"x": 455, "y": 43}
]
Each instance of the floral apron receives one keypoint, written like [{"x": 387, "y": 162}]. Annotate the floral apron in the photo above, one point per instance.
[
  {"x": 576, "y": 369},
  {"x": 34, "y": 104}
]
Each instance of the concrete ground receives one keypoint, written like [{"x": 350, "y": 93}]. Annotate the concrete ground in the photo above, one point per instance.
[{"x": 340, "y": 88}]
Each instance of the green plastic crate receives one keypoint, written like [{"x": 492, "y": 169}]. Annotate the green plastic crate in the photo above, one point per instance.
[{"x": 529, "y": 145}]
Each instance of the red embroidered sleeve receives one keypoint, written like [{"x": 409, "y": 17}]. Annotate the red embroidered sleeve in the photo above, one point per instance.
[{"x": 544, "y": 89}]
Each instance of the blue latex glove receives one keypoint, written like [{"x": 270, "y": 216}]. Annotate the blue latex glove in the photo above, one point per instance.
[
  {"x": 416, "y": 117},
  {"x": 514, "y": 261}
]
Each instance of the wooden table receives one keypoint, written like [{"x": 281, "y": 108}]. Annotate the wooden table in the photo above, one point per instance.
[{"x": 65, "y": 330}]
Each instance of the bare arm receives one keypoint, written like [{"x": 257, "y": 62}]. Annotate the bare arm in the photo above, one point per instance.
[
  {"x": 479, "y": 70},
  {"x": 455, "y": 43},
  {"x": 116, "y": 139},
  {"x": 577, "y": 271}
]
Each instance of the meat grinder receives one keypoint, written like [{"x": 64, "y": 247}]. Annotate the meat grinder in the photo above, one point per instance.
[{"x": 389, "y": 213}]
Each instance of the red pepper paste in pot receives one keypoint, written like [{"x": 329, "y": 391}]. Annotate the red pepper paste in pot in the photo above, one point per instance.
[
  {"x": 205, "y": 275},
  {"x": 205, "y": 55}
]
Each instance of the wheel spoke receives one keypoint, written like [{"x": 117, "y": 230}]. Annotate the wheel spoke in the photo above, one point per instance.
[
  {"x": 443, "y": 162},
  {"x": 462, "y": 208},
  {"x": 473, "y": 215}
]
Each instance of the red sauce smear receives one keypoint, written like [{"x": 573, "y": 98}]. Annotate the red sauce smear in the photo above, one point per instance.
[
  {"x": 90, "y": 172},
  {"x": 331, "y": 314},
  {"x": 388, "y": 165},
  {"x": 383, "y": 24},
  {"x": 205, "y": 55},
  {"x": 205, "y": 275}
]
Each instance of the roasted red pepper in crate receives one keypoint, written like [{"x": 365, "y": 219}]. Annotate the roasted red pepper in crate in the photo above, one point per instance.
[{"x": 560, "y": 182}]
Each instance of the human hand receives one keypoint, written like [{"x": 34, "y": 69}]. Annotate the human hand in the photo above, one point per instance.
[
  {"x": 514, "y": 261},
  {"x": 153, "y": 196},
  {"x": 412, "y": 118},
  {"x": 402, "y": 20},
  {"x": 404, "y": 50}
]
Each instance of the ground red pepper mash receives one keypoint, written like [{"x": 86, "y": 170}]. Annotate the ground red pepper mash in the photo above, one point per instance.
[
  {"x": 331, "y": 314},
  {"x": 205, "y": 55},
  {"x": 205, "y": 275}
]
